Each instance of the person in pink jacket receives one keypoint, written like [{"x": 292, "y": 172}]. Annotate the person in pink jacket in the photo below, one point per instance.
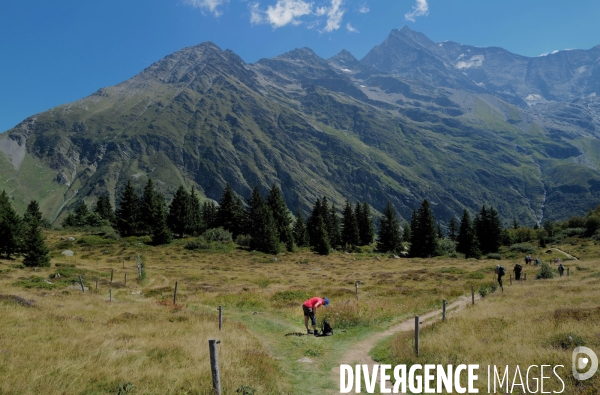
[{"x": 309, "y": 307}]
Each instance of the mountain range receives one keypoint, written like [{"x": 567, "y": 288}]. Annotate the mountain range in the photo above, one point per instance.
[{"x": 459, "y": 125}]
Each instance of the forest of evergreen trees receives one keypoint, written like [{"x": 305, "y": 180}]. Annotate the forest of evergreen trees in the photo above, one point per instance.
[
  {"x": 265, "y": 224},
  {"x": 22, "y": 235}
]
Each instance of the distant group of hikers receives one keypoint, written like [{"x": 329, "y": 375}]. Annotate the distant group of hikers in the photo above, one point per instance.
[
  {"x": 529, "y": 259},
  {"x": 518, "y": 269}
]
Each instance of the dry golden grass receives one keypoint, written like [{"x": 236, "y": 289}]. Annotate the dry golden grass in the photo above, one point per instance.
[
  {"x": 531, "y": 323},
  {"x": 77, "y": 343}
]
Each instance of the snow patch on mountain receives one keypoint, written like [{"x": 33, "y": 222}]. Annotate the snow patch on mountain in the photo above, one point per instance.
[{"x": 474, "y": 61}]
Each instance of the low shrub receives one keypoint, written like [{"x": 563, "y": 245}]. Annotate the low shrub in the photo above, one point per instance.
[
  {"x": 243, "y": 240},
  {"x": 494, "y": 256},
  {"x": 93, "y": 240},
  {"x": 525, "y": 248},
  {"x": 217, "y": 234},
  {"x": 545, "y": 272}
]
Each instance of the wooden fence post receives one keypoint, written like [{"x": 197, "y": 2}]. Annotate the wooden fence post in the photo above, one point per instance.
[
  {"x": 175, "y": 294},
  {"x": 81, "y": 283},
  {"x": 444, "y": 310},
  {"x": 472, "y": 294},
  {"x": 525, "y": 276},
  {"x": 125, "y": 282},
  {"x": 417, "y": 335},
  {"x": 220, "y": 318},
  {"x": 356, "y": 285},
  {"x": 214, "y": 366},
  {"x": 568, "y": 272},
  {"x": 511, "y": 279},
  {"x": 110, "y": 295},
  {"x": 96, "y": 283},
  {"x": 112, "y": 271}
]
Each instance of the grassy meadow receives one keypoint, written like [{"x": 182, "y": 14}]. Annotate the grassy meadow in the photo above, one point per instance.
[{"x": 56, "y": 339}]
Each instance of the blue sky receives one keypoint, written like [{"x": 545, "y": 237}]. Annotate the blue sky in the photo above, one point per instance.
[{"x": 55, "y": 52}]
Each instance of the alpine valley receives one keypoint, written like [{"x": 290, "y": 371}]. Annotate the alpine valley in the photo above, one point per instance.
[{"x": 459, "y": 125}]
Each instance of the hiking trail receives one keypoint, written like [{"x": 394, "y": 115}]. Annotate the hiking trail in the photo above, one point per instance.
[
  {"x": 562, "y": 252},
  {"x": 359, "y": 353}
]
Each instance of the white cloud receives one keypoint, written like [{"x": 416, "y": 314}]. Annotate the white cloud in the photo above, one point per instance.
[
  {"x": 334, "y": 16},
  {"x": 364, "y": 9},
  {"x": 256, "y": 15},
  {"x": 287, "y": 11},
  {"x": 421, "y": 8},
  {"x": 321, "y": 11},
  {"x": 351, "y": 28},
  {"x": 209, "y": 5}
]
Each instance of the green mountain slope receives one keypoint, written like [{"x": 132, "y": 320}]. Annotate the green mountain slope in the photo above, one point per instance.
[{"x": 203, "y": 117}]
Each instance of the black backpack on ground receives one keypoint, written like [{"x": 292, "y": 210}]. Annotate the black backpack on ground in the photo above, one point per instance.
[{"x": 326, "y": 329}]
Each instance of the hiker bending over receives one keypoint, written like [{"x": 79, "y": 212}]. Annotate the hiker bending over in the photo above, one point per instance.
[
  {"x": 309, "y": 307},
  {"x": 518, "y": 269},
  {"x": 500, "y": 271}
]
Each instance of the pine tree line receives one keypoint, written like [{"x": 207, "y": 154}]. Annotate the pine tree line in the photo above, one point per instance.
[
  {"x": 268, "y": 223},
  {"x": 22, "y": 236}
]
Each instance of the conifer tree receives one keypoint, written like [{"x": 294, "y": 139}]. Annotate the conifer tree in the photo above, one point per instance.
[
  {"x": 11, "y": 228},
  {"x": 321, "y": 244},
  {"x": 209, "y": 215},
  {"x": 407, "y": 232},
  {"x": 161, "y": 234},
  {"x": 350, "y": 233},
  {"x": 333, "y": 226},
  {"x": 452, "y": 229},
  {"x": 261, "y": 224},
  {"x": 390, "y": 237},
  {"x": 312, "y": 222},
  {"x": 178, "y": 216},
  {"x": 467, "y": 239},
  {"x": 280, "y": 215},
  {"x": 231, "y": 212},
  {"x": 147, "y": 208},
  {"x": 366, "y": 228},
  {"x": 300, "y": 233},
  {"x": 194, "y": 222},
  {"x": 424, "y": 235},
  {"x": 104, "y": 209},
  {"x": 32, "y": 213},
  {"x": 495, "y": 231},
  {"x": 35, "y": 251},
  {"x": 81, "y": 214},
  {"x": 128, "y": 212}
]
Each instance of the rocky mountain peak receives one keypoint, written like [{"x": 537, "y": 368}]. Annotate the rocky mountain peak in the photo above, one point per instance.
[{"x": 344, "y": 59}]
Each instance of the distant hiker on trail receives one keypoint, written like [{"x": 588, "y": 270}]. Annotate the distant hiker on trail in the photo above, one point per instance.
[
  {"x": 561, "y": 269},
  {"x": 518, "y": 269},
  {"x": 537, "y": 261},
  {"x": 500, "y": 271},
  {"x": 527, "y": 259},
  {"x": 309, "y": 307}
]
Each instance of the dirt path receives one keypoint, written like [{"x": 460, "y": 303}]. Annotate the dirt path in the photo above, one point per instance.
[
  {"x": 359, "y": 353},
  {"x": 562, "y": 252}
]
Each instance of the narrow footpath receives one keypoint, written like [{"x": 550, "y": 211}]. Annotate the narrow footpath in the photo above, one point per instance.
[{"x": 359, "y": 353}]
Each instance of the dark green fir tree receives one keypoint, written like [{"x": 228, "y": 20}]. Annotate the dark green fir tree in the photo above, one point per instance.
[
  {"x": 11, "y": 228},
  {"x": 128, "y": 212},
  {"x": 178, "y": 216},
  {"x": 350, "y": 232},
  {"x": 300, "y": 233},
  {"x": 390, "y": 237},
  {"x": 35, "y": 251}
]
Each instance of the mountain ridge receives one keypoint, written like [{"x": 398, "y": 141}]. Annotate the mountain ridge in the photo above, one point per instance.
[{"x": 408, "y": 121}]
